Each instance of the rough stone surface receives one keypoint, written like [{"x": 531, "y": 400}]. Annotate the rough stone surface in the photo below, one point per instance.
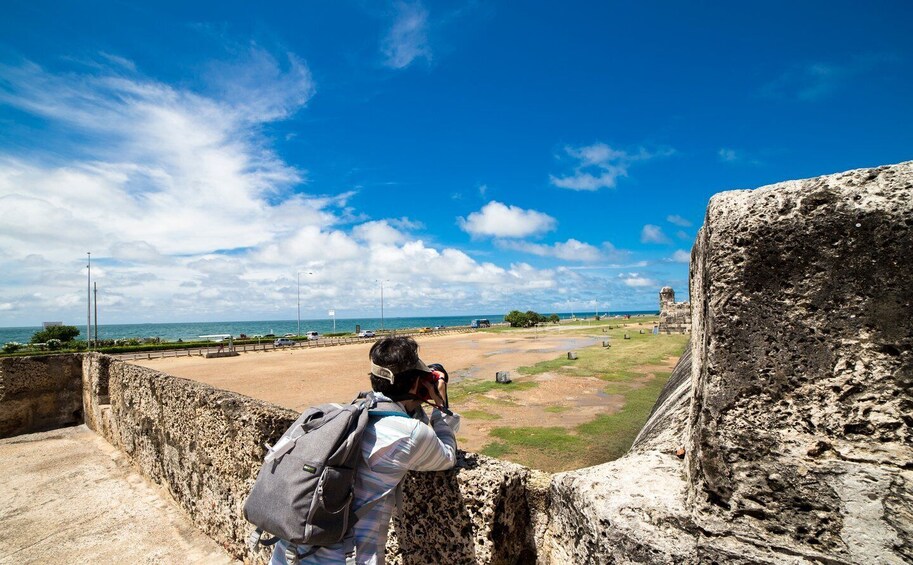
[
  {"x": 478, "y": 513},
  {"x": 39, "y": 393},
  {"x": 802, "y": 421}
]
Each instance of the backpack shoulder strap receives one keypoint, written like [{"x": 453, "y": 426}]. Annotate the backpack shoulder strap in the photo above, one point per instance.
[{"x": 383, "y": 408}]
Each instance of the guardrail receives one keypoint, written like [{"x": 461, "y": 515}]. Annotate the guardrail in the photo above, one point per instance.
[{"x": 268, "y": 345}]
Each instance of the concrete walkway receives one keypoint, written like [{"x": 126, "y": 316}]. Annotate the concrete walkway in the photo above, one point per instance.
[{"x": 67, "y": 496}]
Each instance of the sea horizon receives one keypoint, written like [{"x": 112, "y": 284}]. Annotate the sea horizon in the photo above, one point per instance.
[{"x": 172, "y": 331}]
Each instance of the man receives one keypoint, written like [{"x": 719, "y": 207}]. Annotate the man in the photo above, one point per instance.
[{"x": 392, "y": 445}]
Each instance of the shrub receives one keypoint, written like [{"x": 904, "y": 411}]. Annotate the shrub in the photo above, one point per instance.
[
  {"x": 60, "y": 333},
  {"x": 11, "y": 347}
]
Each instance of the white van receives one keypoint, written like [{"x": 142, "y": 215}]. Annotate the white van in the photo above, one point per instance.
[{"x": 312, "y": 336}]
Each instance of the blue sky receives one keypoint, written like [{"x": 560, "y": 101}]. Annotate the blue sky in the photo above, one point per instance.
[{"x": 478, "y": 157}]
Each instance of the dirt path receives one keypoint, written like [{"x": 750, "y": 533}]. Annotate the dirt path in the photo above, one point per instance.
[{"x": 300, "y": 378}]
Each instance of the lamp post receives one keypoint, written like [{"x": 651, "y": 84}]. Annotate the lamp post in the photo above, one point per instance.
[
  {"x": 89, "y": 300},
  {"x": 382, "y": 281},
  {"x": 299, "y": 301}
]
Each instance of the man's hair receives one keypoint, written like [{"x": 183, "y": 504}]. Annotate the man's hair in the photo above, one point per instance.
[{"x": 399, "y": 354}]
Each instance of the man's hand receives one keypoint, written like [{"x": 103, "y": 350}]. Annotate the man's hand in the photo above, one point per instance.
[{"x": 438, "y": 393}]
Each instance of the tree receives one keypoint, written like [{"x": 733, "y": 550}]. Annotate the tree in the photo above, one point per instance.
[
  {"x": 554, "y": 318},
  {"x": 516, "y": 319},
  {"x": 62, "y": 333}
]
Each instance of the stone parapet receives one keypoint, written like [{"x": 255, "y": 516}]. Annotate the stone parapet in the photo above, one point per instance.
[
  {"x": 39, "y": 393},
  {"x": 801, "y": 433}
]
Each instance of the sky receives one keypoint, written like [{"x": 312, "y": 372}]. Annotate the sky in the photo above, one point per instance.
[{"x": 221, "y": 159}]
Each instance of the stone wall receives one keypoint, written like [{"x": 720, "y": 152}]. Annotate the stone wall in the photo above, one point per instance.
[
  {"x": 39, "y": 393},
  {"x": 796, "y": 423},
  {"x": 801, "y": 428},
  {"x": 206, "y": 445}
]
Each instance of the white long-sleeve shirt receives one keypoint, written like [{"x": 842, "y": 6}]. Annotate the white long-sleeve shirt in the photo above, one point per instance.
[{"x": 391, "y": 447}]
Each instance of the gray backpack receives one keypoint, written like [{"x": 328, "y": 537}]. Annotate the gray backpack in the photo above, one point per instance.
[{"x": 305, "y": 489}]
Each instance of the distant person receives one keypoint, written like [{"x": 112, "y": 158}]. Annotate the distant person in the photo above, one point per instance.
[{"x": 391, "y": 446}]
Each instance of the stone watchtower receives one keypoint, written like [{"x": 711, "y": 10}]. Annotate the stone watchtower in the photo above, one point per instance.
[
  {"x": 673, "y": 316},
  {"x": 666, "y": 297}
]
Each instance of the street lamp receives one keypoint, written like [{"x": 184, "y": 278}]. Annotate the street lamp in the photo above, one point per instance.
[
  {"x": 382, "y": 326},
  {"x": 299, "y": 300}
]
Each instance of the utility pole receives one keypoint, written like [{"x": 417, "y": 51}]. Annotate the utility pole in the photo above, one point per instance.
[
  {"x": 299, "y": 304},
  {"x": 95, "y": 286},
  {"x": 299, "y": 301},
  {"x": 89, "y": 301}
]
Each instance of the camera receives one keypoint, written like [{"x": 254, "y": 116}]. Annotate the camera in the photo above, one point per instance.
[{"x": 438, "y": 374}]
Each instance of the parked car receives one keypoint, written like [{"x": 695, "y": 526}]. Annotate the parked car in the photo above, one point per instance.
[
  {"x": 289, "y": 335},
  {"x": 283, "y": 341},
  {"x": 480, "y": 323},
  {"x": 425, "y": 330},
  {"x": 312, "y": 335},
  {"x": 439, "y": 327},
  {"x": 366, "y": 333}
]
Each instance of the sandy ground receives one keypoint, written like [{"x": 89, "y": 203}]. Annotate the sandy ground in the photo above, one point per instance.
[
  {"x": 300, "y": 378},
  {"x": 68, "y": 496}
]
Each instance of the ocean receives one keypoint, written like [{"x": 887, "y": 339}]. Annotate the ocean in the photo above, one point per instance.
[{"x": 192, "y": 330}]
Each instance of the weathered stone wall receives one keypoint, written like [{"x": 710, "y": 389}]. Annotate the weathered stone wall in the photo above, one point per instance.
[
  {"x": 801, "y": 429},
  {"x": 39, "y": 393},
  {"x": 206, "y": 445},
  {"x": 797, "y": 422}
]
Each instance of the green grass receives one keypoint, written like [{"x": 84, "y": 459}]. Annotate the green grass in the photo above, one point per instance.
[
  {"x": 554, "y": 440},
  {"x": 557, "y": 409},
  {"x": 472, "y": 389},
  {"x": 495, "y": 449},
  {"x": 479, "y": 415},
  {"x": 603, "y": 439},
  {"x": 606, "y": 437}
]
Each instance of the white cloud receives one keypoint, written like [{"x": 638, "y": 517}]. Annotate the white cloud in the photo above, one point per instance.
[
  {"x": 407, "y": 38},
  {"x": 637, "y": 281},
  {"x": 261, "y": 87},
  {"x": 653, "y": 234},
  {"x": 500, "y": 220},
  {"x": 599, "y": 166},
  {"x": 680, "y": 256},
  {"x": 678, "y": 221},
  {"x": 728, "y": 155},
  {"x": 570, "y": 250},
  {"x": 378, "y": 232}
]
